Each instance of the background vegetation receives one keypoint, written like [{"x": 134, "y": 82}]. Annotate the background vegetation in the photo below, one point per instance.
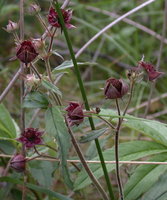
[{"x": 111, "y": 55}]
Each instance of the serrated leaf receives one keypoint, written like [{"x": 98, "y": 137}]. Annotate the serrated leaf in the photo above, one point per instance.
[
  {"x": 36, "y": 188},
  {"x": 144, "y": 177},
  {"x": 35, "y": 100},
  {"x": 56, "y": 127},
  {"x": 92, "y": 135},
  {"x": 151, "y": 128},
  {"x": 42, "y": 172},
  {"x": 127, "y": 151},
  {"x": 50, "y": 86},
  {"x": 7, "y": 126}
]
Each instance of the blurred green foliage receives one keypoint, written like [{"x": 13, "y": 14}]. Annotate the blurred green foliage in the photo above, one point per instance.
[{"x": 112, "y": 54}]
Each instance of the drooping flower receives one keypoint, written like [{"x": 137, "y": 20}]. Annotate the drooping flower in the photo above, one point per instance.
[
  {"x": 75, "y": 115},
  {"x": 18, "y": 163},
  {"x": 26, "y": 52},
  {"x": 151, "y": 71},
  {"x": 53, "y": 18},
  {"x": 31, "y": 137},
  {"x": 115, "y": 88}
]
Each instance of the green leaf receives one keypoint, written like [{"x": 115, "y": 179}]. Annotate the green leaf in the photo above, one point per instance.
[
  {"x": 92, "y": 135},
  {"x": 127, "y": 151},
  {"x": 35, "y": 100},
  {"x": 56, "y": 127},
  {"x": 144, "y": 177},
  {"x": 7, "y": 147},
  {"x": 7, "y": 125},
  {"x": 8, "y": 9},
  {"x": 36, "y": 188},
  {"x": 151, "y": 128},
  {"x": 50, "y": 86},
  {"x": 42, "y": 172},
  {"x": 158, "y": 191},
  {"x": 69, "y": 64},
  {"x": 57, "y": 54}
]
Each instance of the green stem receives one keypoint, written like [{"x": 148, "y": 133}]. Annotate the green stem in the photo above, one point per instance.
[{"x": 82, "y": 89}]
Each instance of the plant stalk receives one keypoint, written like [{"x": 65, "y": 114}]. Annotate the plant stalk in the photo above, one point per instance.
[
  {"x": 82, "y": 89},
  {"x": 120, "y": 120},
  {"x": 84, "y": 163},
  {"x": 117, "y": 153}
]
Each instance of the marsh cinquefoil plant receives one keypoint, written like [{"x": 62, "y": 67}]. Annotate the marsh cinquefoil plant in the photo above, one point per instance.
[{"x": 53, "y": 144}]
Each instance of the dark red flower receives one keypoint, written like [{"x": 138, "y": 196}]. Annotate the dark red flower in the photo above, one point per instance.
[
  {"x": 31, "y": 137},
  {"x": 152, "y": 73},
  {"x": 75, "y": 114},
  {"x": 115, "y": 88},
  {"x": 53, "y": 18},
  {"x": 18, "y": 163},
  {"x": 26, "y": 52}
]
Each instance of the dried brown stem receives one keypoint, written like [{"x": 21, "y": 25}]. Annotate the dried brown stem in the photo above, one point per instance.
[{"x": 84, "y": 163}]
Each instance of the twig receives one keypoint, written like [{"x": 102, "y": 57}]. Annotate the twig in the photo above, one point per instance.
[
  {"x": 94, "y": 161},
  {"x": 157, "y": 114},
  {"x": 112, "y": 24},
  {"x": 107, "y": 122},
  {"x": 33, "y": 117},
  {"x": 65, "y": 4},
  {"x": 162, "y": 96},
  {"x": 128, "y": 21},
  {"x": 10, "y": 85},
  {"x": 84, "y": 163}
]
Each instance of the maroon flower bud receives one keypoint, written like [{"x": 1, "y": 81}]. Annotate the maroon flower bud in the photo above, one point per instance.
[
  {"x": 75, "y": 114},
  {"x": 152, "y": 73},
  {"x": 53, "y": 18},
  {"x": 115, "y": 88},
  {"x": 12, "y": 26},
  {"x": 18, "y": 163},
  {"x": 31, "y": 137},
  {"x": 26, "y": 52}
]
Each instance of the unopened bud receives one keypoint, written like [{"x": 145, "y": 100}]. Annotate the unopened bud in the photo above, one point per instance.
[
  {"x": 98, "y": 110},
  {"x": 18, "y": 163},
  {"x": 39, "y": 44},
  {"x": 11, "y": 26},
  {"x": 31, "y": 80},
  {"x": 34, "y": 9}
]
